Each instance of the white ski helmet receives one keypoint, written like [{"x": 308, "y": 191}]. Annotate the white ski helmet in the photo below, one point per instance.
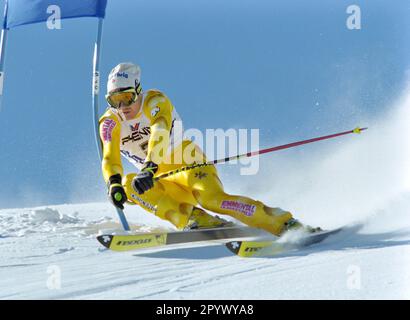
[{"x": 124, "y": 76}]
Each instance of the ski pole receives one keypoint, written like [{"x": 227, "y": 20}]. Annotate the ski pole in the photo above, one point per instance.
[{"x": 254, "y": 153}]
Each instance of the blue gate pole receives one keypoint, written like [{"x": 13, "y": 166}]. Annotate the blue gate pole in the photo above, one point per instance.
[
  {"x": 3, "y": 41},
  {"x": 95, "y": 92}
]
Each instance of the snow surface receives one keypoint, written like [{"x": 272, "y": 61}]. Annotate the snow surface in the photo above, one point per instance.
[{"x": 366, "y": 261}]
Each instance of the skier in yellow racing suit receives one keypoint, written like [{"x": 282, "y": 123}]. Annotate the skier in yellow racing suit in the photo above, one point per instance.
[{"x": 141, "y": 127}]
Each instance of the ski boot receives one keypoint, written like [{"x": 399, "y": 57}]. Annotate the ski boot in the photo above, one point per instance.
[
  {"x": 200, "y": 219},
  {"x": 294, "y": 224}
]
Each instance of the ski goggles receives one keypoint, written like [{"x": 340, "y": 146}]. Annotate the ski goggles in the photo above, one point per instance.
[{"x": 122, "y": 98}]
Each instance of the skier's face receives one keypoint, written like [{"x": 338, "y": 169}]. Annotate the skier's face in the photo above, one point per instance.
[{"x": 129, "y": 112}]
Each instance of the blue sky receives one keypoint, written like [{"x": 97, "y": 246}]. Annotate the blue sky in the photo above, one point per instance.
[{"x": 289, "y": 68}]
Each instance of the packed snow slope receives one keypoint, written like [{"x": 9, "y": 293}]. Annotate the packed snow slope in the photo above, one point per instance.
[
  {"x": 362, "y": 183},
  {"x": 51, "y": 253}
]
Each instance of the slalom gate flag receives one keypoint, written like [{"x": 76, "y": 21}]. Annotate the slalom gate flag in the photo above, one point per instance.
[{"x": 21, "y": 12}]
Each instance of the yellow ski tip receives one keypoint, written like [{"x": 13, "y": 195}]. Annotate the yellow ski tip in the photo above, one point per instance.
[
  {"x": 247, "y": 249},
  {"x": 358, "y": 130}
]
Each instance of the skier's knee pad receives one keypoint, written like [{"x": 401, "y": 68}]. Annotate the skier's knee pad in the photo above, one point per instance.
[{"x": 173, "y": 211}]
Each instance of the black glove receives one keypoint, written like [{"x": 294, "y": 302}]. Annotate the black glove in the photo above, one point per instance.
[
  {"x": 144, "y": 181},
  {"x": 116, "y": 191}
]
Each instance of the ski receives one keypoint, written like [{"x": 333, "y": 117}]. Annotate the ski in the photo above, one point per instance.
[
  {"x": 156, "y": 239},
  {"x": 248, "y": 249}
]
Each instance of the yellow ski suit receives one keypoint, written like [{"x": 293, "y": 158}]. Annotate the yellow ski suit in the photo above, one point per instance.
[{"x": 173, "y": 198}]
